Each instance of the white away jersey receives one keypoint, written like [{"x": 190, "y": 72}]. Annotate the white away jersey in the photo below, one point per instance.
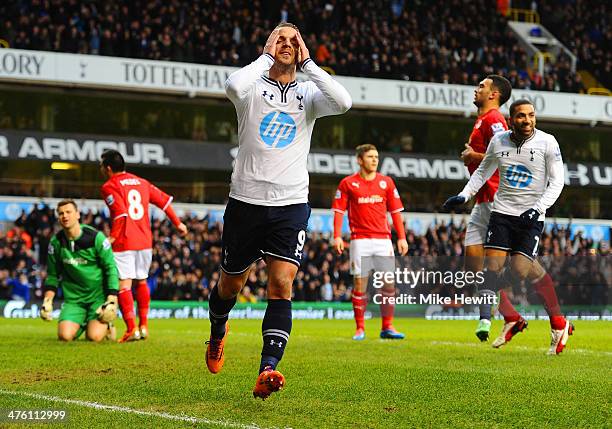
[
  {"x": 275, "y": 123},
  {"x": 530, "y": 175}
]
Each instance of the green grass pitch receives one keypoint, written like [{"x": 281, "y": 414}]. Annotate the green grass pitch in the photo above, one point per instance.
[{"x": 440, "y": 376}]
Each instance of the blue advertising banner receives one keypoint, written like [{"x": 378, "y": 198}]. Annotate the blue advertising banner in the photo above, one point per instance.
[{"x": 321, "y": 220}]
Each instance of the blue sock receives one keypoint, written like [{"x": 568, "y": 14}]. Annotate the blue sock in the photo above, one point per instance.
[
  {"x": 267, "y": 361},
  {"x": 275, "y": 329}
]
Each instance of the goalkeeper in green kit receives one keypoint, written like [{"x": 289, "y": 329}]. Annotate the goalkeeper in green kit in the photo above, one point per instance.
[{"x": 81, "y": 262}]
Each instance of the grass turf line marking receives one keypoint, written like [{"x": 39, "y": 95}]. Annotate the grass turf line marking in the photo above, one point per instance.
[{"x": 116, "y": 408}]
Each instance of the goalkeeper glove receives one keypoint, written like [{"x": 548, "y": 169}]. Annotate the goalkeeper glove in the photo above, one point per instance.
[
  {"x": 47, "y": 309},
  {"x": 107, "y": 312}
]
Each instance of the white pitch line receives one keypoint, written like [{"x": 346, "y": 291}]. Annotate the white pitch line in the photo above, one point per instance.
[
  {"x": 566, "y": 351},
  {"x": 119, "y": 409}
]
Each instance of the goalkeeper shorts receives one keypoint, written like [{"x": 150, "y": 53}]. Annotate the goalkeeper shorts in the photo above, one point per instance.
[{"x": 79, "y": 313}]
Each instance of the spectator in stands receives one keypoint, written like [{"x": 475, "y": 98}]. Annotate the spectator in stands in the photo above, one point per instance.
[
  {"x": 20, "y": 288},
  {"x": 5, "y": 288},
  {"x": 165, "y": 289},
  {"x": 327, "y": 290},
  {"x": 17, "y": 232}
]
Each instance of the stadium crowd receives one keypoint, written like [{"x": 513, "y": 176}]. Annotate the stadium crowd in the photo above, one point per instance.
[
  {"x": 584, "y": 28},
  {"x": 455, "y": 41},
  {"x": 187, "y": 268}
]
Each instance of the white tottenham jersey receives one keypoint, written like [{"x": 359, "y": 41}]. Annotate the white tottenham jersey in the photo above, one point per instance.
[
  {"x": 530, "y": 175},
  {"x": 275, "y": 123}
]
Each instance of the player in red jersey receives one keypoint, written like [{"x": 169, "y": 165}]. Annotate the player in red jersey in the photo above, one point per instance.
[
  {"x": 127, "y": 197},
  {"x": 492, "y": 93},
  {"x": 368, "y": 196}
]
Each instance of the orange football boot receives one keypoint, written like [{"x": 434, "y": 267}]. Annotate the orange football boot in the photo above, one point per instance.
[
  {"x": 268, "y": 382},
  {"x": 215, "y": 358}
]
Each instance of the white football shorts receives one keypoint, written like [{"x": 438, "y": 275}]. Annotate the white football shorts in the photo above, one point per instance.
[
  {"x": 478, "y": 224},
  {"x": 134, "y": 264},
  {"x": 367, "y": 254}
]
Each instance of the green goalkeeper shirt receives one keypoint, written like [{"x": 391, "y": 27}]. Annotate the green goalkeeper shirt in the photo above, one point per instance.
[{"x": 84, "y": 268}]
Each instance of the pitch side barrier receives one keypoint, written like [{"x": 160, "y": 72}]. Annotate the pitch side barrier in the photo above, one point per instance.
[
  {"x": 318, "y": 311},
  {"x": 432, "y": 287}
]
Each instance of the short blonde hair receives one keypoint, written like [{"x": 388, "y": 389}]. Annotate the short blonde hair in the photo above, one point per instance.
[{"x": 287, "y": 24}]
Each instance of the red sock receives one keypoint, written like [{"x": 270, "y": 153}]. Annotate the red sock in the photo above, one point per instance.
[
  {"x": 126, "y": 304},
  {"x": 360, "y": 301},
  {"x": 507, "y": 309},
  {"x": 387, "y": 309},
  {"x": 143, "y": 298},
  {"x": 546, "y": 290}
]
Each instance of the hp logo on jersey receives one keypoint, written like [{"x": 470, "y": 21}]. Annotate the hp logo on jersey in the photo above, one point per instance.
[
  {"x": 518, "y": 176},
  {"x": 277, "y": 129}
]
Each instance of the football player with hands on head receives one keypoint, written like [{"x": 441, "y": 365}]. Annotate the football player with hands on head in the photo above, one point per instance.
[{"x": 267, "y": 212}]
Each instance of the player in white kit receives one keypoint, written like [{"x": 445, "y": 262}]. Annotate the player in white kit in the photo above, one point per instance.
[
  {"x": 531, "y": 176},
  {"x": 267, "y": 213}
]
